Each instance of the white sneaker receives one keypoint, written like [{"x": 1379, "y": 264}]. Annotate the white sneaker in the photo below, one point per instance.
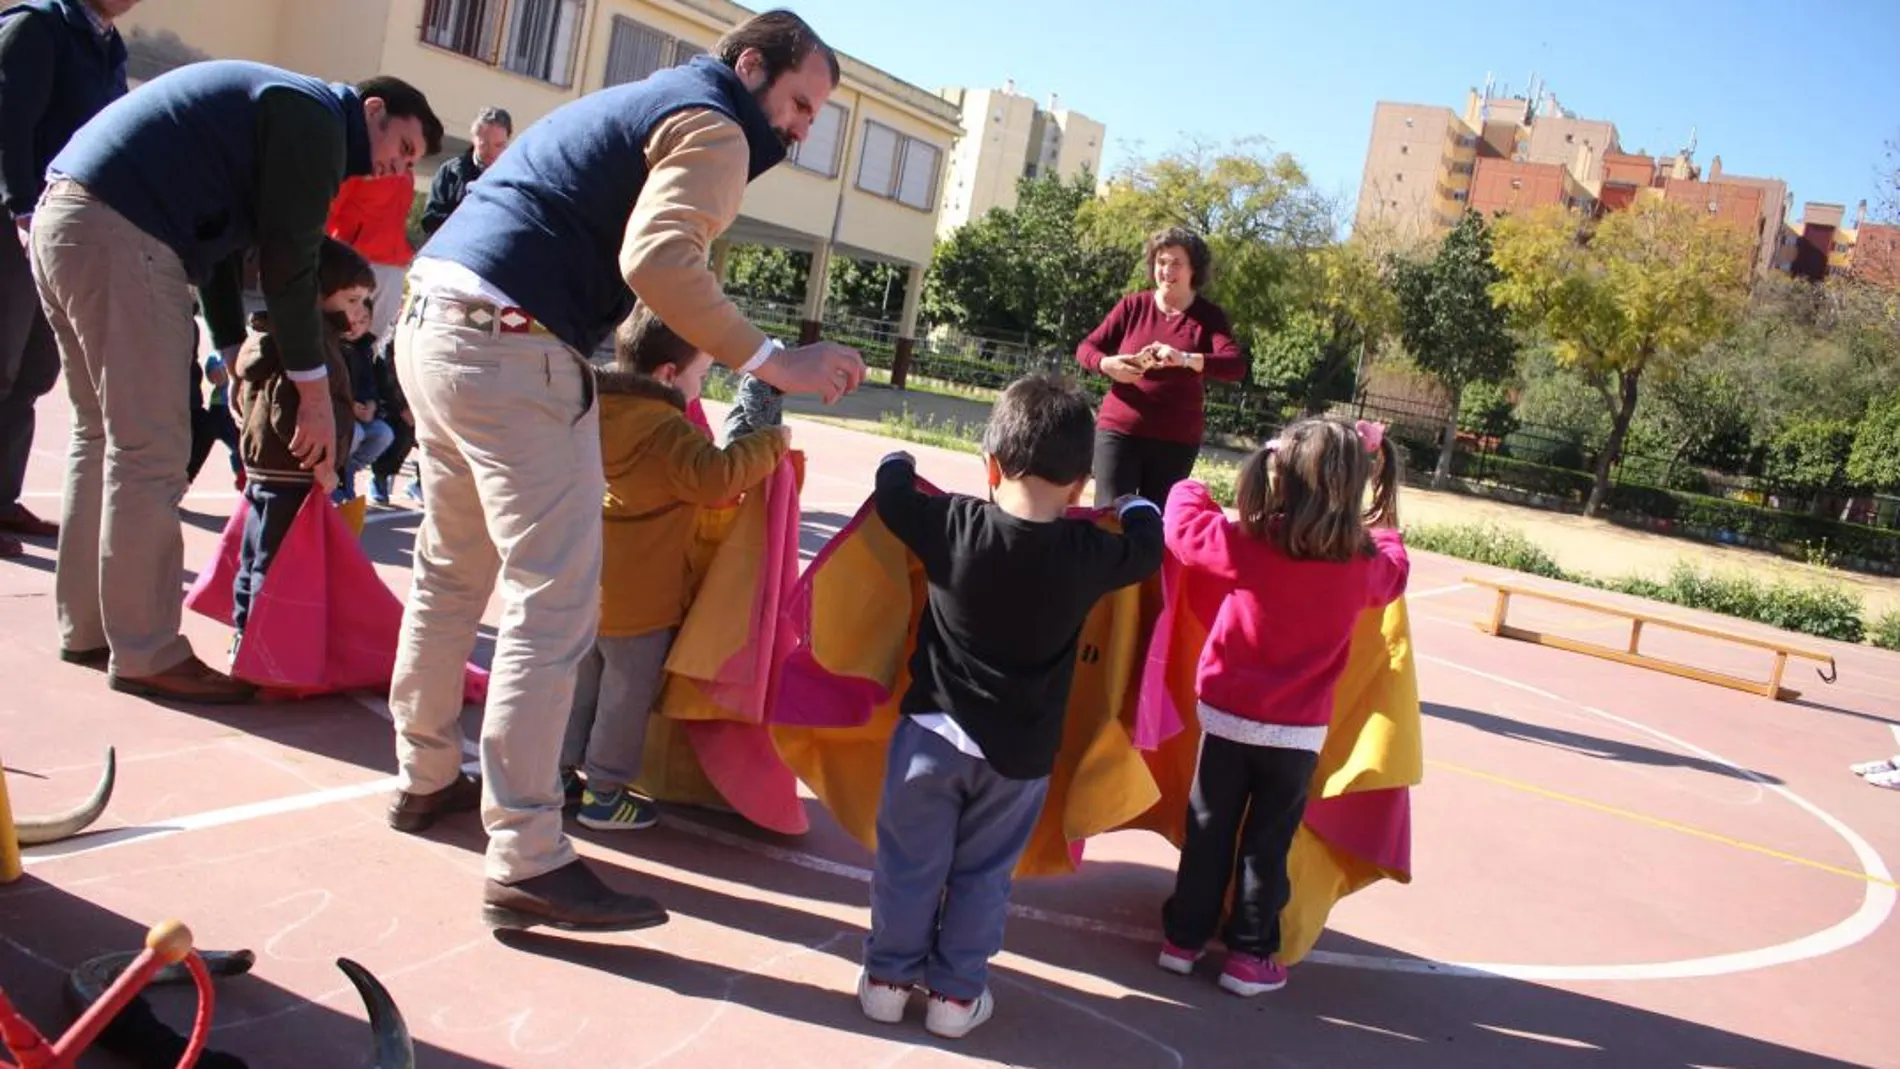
[
  {"x": 954, "y": 1020},
  {"x": 1870, "y": 768},
  {"x": 1889, "y": 780},
  {"x": 881, "y": 1002}
]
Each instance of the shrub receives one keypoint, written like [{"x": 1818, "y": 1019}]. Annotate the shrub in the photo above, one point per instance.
[
  {"x": 1885, "y": 631},
  {"x": 1485, "y": 409},
  {"x": 1560, "y": 449},
  {"x": 1821, "y": 609},
  {"x": 1485, "y": 544},
  {"x": 1220, "y": 478},
  {"x": 1733, "y": 520},
  {"x": 949, "y": 434}
]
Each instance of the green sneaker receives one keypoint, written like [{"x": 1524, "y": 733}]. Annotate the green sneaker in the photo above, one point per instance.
[{"x": 617, "y": 810}]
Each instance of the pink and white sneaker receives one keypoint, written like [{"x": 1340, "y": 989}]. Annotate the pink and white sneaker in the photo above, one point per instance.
[
  {"x": 1178, "y": 960},
  {"x": 1246, "y": 975}
]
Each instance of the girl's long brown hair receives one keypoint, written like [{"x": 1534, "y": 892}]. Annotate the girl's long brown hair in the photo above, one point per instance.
[{"x": 1305, "y": 493}]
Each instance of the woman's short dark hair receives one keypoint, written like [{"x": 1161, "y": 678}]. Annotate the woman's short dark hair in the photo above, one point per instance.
[
  {"x": 1200, "y": 261},
  {"x": 405, "y": 101},
  {"x": 782, "y": 38}
]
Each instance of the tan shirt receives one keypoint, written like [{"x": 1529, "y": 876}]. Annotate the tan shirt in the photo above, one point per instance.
[{"x": 696, "y": 176}]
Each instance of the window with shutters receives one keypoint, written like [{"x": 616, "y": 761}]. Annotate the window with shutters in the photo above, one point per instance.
[
  {"x": 636, "y": 50},
  {"x": 535, "y": 38},
  {"x": 899, "y": 167},
  {"x": 818, "y": 153}
]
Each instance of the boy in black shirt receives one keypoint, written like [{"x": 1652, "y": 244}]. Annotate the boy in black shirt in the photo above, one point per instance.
[{"x": 1011, "y": 582}]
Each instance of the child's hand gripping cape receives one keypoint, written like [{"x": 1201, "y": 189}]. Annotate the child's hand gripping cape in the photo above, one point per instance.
[
  {"x": 1357, "y": 828},
  {"x": 856, "y": 610},
  {"x": 323, "y": 621},
  {"x": 710, "y": 745}
]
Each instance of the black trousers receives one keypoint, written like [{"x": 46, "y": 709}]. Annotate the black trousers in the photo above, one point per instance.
[
  {"x": 1146, "y": 466},
  {"x": 1242, "y": 814}
]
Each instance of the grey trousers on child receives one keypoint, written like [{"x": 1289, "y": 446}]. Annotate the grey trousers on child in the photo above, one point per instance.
[
  {"x": 949, "y": 833},
  {"x": 755, "y": 406},
  {"x": 614, "y": 694}
]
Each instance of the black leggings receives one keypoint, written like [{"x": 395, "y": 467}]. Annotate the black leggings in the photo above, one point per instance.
[{"x": 1146, "y": 466}]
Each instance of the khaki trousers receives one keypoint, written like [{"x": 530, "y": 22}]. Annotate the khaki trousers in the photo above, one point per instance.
[
  {"x": 508, "y": 442},
  {"x": 119, "y": 303}
]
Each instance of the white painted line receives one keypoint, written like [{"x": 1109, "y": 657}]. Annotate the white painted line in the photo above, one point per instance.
[
  {"x": 216, "y": 818},
  {"x": 1877, "y": 901}
]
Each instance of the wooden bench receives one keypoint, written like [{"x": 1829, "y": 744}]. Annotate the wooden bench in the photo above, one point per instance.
[{"x": 1632, "y": 654}]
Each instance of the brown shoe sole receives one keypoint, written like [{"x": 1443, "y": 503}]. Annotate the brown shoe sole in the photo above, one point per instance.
[
  {"x": 148, "y": 690},
  {"x": 89, "y": 658},
  {"x": 504, "y": 918}
]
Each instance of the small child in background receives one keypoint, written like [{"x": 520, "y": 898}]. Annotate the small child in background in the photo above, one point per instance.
[
  {"x": 1011, "y": 582},
  {"x": 211, "y": 420},
  {"x": 392, "y": 410},
  {"x": 660, "y": 469},
  {"x": 1302, "y": 566},
  {"x": 267, "y": 403},
  {"x": 371, "y": 437}
]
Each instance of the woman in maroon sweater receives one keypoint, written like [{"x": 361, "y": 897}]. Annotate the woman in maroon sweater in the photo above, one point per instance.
[{"x": 1157, "y": 346}]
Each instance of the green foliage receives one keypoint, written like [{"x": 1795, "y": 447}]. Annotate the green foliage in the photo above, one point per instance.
[
  {"x": 1486, "y": 408},
  {"x": 1652, "y": 285},
  {"x": 1809, "y": 456},
  {"x": 1219, "y": 477},
  {"x": 767, "y": 273},
  {"x": 1885, "y": 631},
  {"x": 1485, "y": 544},
  {"x": 1825, "y": 610},
  {"x": 1666, "y": 511},
  {"x": 1875, "y": 458},
  {"x": 1039, "y": 269},
  {"x": 948, "y": 434}
]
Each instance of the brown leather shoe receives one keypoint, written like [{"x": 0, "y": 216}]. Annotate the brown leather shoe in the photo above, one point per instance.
[
  {"x": 572, "y": 898},
  {"x": 415, "y": 812},
  {"x": 16, "y": 519},
  {"x": 190, "y": 680}
]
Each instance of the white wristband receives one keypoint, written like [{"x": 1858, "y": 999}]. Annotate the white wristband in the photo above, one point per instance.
[{"x": 759, "y": 358}]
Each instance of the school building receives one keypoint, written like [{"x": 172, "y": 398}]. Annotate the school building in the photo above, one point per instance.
[{"x": 866, "y": 184}]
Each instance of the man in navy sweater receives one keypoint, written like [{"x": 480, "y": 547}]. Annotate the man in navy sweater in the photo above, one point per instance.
[
  {"x": 164, "y": 189},
  {"x": 60, "y": 62},
  {"x": 617, "y": 193}
]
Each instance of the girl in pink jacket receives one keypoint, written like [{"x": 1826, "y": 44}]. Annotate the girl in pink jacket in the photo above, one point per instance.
[{"x": 1304, "y": 560}]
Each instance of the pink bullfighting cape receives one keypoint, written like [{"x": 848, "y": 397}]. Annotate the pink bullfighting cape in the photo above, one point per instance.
[
  {"x": 856, "y": 610},
  {"x": 323, "y": 621},
  {"x": 1357, "y": 828},
  {"x": 710, "y": 744}
]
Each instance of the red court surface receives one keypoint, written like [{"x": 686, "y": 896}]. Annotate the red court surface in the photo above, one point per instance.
[{"x": 1613, "y": 868}]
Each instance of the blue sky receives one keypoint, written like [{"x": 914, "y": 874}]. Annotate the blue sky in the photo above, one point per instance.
[{"x": 1795, "y": 91}]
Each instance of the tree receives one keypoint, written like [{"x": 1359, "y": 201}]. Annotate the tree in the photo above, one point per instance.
[
  {"x": 1887, "y": 183},
  {"x": 1809, "y": 457},
  {"x": 1642, "y": 290},
  {"x": 767, "y": 273},
  {"x": 1258, "y": 213},
  {"x": 866, "y": 288},
  {"x": 1875, "y": 459},
  {"x": 1036, "y": 270},
  {"x": 1699, "y": 413},
  {"x": 1452, "y": 329}
]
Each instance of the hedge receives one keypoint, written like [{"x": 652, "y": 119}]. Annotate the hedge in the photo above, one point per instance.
[{"x": 1739, "y": 523}]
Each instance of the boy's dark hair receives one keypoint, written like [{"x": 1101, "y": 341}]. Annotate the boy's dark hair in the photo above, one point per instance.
[
  {"x": 405, "y": 101},
  {"x": 646, "y": 345},
  {"x": 340, "y": 267},
  {"x": 782, "y": 38},
  {"x": 1200, "y": 261},
  {"x": 1045, "y": 427}
]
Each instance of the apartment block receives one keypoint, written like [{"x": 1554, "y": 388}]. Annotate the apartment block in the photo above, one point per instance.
[
  {"x": 1506, "y": 153},
  {"x": 1007, "y": 137},
  {"x": 1822, "y": 244},
  {"x": 866, "y": 184}
]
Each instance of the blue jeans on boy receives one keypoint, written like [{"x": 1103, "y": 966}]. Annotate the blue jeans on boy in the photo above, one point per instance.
[
  {"x": 367, "y": 442},
  {"x": 272, "y": 508},
  {"x": 949, "y": 833}
]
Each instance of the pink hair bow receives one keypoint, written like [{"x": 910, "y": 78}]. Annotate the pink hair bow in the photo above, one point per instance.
[{"x": 1373, "y": 434}]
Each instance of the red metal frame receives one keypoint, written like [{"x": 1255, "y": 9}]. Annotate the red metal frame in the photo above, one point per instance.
[{"x": 167, "y": 944}]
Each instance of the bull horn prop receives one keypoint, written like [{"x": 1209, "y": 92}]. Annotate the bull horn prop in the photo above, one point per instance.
[
  {"x": 136, "y": 1033},
  {"x": 36, "y": 831}
]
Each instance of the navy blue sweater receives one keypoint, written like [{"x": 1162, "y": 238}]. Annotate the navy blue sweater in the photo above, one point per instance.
[
  {"x": 217, "y": 157},
  {"x": 546, "y": 222},
  {"x": 56, "y": 72}
]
